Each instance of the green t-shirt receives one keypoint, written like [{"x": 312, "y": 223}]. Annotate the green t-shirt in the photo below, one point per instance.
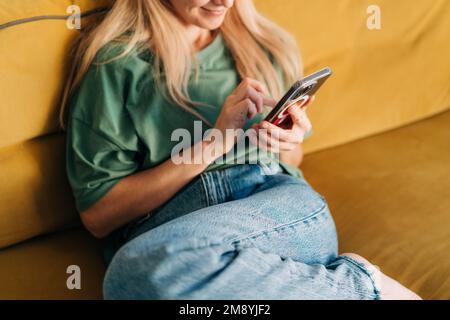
[{"x": 120, "y": 123}]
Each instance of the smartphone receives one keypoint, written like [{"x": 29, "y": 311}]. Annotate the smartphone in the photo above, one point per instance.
[{"x": 300, "y": 91}]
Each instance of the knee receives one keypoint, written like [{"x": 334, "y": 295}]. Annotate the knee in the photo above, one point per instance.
[
  {"x": 124, "y": 278},
  {"x": 142, "y": 271},
  {"x": 168, "y": 271}
]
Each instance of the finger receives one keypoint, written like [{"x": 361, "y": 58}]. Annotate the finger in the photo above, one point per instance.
[
  {"x": 303, "y": 104},
  {"x": 257, "y": 85},
  {"x": 253, "y": 93},
  {"x": 309, "y": 102},
  {"x": 304, "y": 124},
  {"x": 252, "y": 111},
  {"x": 258, "y": 98},
  {"x": 260, "y": 87},
  {"x": 299, "y": 119},
  {"x": 290, "y": 136},
  {"x": 264, "y": 143},
  {"x": 312, "y": 99},
  {"x": 246, "y": 108},
  {"x": 270, "y": 143},
  {"x": 253, "y": 138},
  {"x": 270, "y": 102},
  {"x": 307, "y": 126},
  {"x": 260, "y": 139},
  {"x": 288, "y": 146},
  {"x": 297, "y": 114},
  {"x": 276, "y": 146}
]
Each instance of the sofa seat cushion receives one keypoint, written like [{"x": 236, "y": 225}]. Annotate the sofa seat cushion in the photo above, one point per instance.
[
  {"x": 36, "y": 269},
  {"x": 389, "y": 195}
]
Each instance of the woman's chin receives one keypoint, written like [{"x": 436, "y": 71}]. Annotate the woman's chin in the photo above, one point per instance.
[{"x": 211, "y": 24}]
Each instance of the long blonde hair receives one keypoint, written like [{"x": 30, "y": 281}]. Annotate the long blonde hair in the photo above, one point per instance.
[{"x": 248, "y": 35}]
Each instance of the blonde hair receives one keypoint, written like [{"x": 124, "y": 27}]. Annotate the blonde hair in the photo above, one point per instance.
[{"x": 248, "y": 35}]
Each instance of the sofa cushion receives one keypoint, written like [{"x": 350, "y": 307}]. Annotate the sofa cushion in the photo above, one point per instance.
[
  {"x": 389, "y": 195},
  {"x": 35, "y": 197},
  {"x": 37, "y": 269},
  {"x": 32, "y": 66},
  {"x": 382, "y": 79}
]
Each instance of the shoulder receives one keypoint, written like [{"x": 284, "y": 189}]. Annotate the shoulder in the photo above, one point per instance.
[
  {"x": 118, "y": 53},
  {"x": 111, "y": 81},
  {"x": 125, "y": 62}
]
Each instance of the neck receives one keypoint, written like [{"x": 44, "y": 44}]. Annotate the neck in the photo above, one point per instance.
[{"x": 199, "y": 38}]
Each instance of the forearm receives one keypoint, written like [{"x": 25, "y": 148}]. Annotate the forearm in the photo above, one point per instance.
[
  {"x": 139, "y": 194},
  {"x": 294, "y": 157}
]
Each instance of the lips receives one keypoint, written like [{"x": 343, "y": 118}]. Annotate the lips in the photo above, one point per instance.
[{"x": 216, "y": 12}]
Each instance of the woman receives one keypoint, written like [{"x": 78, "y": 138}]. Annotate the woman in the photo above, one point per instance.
[{"x": 244, "y": 226}]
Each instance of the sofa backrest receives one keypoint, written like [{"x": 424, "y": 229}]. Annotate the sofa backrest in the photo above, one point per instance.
[
  {"x": 35, "y": 197},
  {"x": 382, "y": 79}
]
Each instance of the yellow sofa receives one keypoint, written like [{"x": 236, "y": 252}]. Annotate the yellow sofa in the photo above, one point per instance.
[{"x": 380, "y": 152}]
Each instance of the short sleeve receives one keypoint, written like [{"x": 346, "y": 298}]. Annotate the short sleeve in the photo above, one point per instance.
[{"x": 102, "y": 145}]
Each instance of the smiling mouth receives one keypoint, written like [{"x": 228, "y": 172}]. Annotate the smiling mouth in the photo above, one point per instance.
[{"x": 214, "y": 12}]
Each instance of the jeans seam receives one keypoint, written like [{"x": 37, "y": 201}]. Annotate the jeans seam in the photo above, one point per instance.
[
  {"x": 205, "y": 190},
  {"x": 226, "y": 184},
  {"x": 361, "y": 267},
  {"x": 206, "y": 181},
  {"x": 278, "y": 228},
  {"x": 233, "y": 184},
  {"x": 220, "y": 186}
]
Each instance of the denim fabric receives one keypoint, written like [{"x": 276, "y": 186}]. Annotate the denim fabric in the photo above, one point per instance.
[{"x": 237, "y": 233}]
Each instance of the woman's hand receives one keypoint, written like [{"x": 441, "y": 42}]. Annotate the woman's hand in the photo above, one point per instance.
[
  {"x": 278, "y": 140},
  {"x": 244, "y": 103}
]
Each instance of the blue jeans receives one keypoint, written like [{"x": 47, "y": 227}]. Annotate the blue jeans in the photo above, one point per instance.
[{"x": 237, "y": 233}]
